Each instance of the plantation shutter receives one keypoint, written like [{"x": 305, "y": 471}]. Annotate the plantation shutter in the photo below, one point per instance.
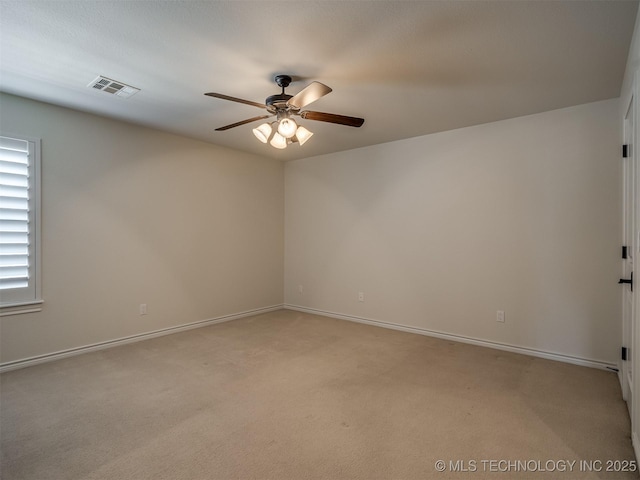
[{"x": 16, "y": 253}]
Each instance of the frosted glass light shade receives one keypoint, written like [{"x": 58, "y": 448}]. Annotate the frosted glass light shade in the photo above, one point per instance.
[
  {"x": 278, "y": 141},
  {"x": 262, "y": 132},
  {"x": 287, "y": 128},
  {"x": 302, "y": 134}
]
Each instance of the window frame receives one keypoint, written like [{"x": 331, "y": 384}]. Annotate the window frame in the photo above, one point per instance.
[{"x": 29, "y": 299}]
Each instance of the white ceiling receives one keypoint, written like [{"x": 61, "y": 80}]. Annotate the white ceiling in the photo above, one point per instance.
[{"x": 408, "y": 67}]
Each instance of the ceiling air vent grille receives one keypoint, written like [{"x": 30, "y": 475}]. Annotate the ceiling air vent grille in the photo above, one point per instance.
[{"x": 113, "y": 87}]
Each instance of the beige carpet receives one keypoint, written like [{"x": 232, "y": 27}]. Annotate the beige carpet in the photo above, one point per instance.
[{"x": 287, "y": 395}]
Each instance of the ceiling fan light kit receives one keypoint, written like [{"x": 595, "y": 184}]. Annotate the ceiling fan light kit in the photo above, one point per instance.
[
  {"x": 285, "y": 130},
  {"x": 270, "y": 133}
]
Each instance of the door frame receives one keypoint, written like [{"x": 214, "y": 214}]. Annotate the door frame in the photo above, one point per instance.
[
  {"x": 634, "y": 342},
  {"x": 627, "y": 370}
]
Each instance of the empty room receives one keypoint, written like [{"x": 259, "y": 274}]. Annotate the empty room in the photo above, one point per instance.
[{"x": 319, "y": 239}]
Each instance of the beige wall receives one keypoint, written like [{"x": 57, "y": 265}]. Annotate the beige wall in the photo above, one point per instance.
[
  {"x": 441, "y": 231},
  {"x": 438, "y": 231},
  {"x": 133, "y": 215}
]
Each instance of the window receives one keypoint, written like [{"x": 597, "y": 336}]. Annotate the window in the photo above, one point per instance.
[{"x": 19, "y": 221}]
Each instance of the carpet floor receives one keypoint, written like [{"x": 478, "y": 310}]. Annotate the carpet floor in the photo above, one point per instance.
[{"x": 288, "y": 395}]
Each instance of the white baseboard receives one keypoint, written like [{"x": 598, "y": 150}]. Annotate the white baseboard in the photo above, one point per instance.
[
  {"x": 49, "y": 357},
  {"x": 585, "y": 362},
  {"x": 27, "y": 362}
]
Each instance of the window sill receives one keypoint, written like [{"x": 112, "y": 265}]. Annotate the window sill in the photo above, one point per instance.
[{"x": 21, "y": 307}]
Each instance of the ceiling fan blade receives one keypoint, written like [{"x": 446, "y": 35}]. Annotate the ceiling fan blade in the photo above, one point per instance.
[
  {"x": 234, "y": 99},
  {"x": 309, "y": 94},
  {"x": 243, "y": 122},
  {"x": 333, "y": 118}
]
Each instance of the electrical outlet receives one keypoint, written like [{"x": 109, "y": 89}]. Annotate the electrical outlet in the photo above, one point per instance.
[
  {"x": 300, "y": 289},
  {"x": 500, "y": 316},
  {"x": 361, "y": 296},
  {"x": 143, "y": 309}
]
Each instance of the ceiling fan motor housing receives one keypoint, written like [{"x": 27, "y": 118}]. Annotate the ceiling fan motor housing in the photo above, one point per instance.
[{"x": 276, "y": 103}]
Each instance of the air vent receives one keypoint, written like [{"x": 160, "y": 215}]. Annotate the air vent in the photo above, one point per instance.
[{"x": 113, "y": 87}]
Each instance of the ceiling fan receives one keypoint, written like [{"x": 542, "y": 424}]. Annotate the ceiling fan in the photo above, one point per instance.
[{"x": 285, "y": 130}]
